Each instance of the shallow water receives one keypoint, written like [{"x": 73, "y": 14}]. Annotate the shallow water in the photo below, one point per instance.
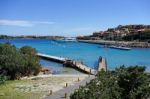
[{"x": 88, "y": 53}]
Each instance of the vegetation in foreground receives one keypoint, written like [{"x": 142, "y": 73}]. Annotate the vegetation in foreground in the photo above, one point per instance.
[
  {"x": 16, "y": 63},
  {"x": 8, "y": 90},
  {"x": 35, "y": 88},
  {"x": 123, "y": 83}
]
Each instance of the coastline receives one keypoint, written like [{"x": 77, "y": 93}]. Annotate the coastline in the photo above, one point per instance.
[{"x": 132, "y": 44}]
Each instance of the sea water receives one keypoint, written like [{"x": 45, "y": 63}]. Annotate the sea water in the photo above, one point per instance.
[{"x": 85, "y": 52}]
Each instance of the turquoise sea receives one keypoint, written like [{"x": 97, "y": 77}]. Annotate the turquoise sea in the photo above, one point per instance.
[{"x": 88, "y": 53}]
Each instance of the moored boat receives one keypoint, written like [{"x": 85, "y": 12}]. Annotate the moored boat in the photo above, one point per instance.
[
  {"x": 119, "y": 47},
  {"x": 69, "y": 39}
]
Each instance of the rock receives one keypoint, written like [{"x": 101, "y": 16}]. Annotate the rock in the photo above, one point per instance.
[{"x": 45, "y": 71}]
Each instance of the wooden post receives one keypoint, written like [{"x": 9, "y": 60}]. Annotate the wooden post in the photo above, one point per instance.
[
  {"x": 90, "y": 70},
  {"x": 66, "y": 85},
  {"x": 65, "y": 95},
  {"x": 50, "y": 92},
  {"x": 78, "y": 79}
]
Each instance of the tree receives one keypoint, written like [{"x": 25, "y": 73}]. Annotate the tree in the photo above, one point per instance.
[
  {"x": 15, "y": 63},
  {"x": 32, "y": 64},
  {"x": 11, "y": 62},
  {"x": 134, "y": 82},
  {"x": 122, "y": 83},
  {"x": 105, "y": 86},
  {"x": 28, "y": 50}
]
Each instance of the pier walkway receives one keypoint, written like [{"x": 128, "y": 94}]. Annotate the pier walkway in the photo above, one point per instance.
[
  {"x": 50, "y": 57},
  {"x": 80, "y": 66},
  {"x": 74, "y": 64},
  {"x": 102, "y": 64},
  {"x": 66, "y": 92}
]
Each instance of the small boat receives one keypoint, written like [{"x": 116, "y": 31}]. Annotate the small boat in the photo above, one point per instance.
[
  {"x": 70, "y": 39},
  {"x": 119, "y": 47}
]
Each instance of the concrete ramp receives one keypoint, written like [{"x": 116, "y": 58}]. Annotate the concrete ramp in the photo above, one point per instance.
[{"x": 102, "y": 64}]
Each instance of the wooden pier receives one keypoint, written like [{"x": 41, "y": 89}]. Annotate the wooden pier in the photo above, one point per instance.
[
  {"x": 53, "y": 58},
  {"x": 71, "y": 63},
  {"x": 80, "y": 66}
]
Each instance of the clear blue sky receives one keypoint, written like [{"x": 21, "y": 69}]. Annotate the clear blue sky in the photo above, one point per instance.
[{"x": 69, "y": 17}]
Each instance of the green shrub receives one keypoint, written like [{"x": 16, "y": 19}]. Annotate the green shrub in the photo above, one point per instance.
[
  {"x": 123, "y": 83},
  {"x": 16, "y": 63},
  {"x": 2, "y": 79}
]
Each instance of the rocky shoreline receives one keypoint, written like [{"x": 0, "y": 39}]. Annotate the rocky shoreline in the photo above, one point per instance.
[{"x": 120, "y": 43}]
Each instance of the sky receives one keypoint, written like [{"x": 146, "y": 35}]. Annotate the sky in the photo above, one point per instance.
[{"x": 69, "y": 17}]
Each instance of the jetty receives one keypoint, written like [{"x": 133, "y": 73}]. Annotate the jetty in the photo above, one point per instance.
[
  {"x": 102, "y": 64},
  {"x": 70, "y": 63},
  {"x": 53, "y": 58},
  {"x": 80, "y": 66}
]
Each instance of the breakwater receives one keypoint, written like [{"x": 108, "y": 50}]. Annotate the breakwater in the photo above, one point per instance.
[{"x": 120, "y": 43}]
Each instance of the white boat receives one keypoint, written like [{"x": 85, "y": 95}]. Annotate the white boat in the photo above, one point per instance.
[
  {"x": 68, "y": 39},
  {"x": 120, "y": 47}
]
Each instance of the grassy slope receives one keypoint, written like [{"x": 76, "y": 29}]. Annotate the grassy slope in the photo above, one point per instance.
[{"x": 9, "y": 92}]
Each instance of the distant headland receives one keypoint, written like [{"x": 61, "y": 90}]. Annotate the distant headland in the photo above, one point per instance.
[
  {"x": 32, "y": 37},
  {"x": 122, "y": 33},
  {"x": 126, "y": 35}
]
